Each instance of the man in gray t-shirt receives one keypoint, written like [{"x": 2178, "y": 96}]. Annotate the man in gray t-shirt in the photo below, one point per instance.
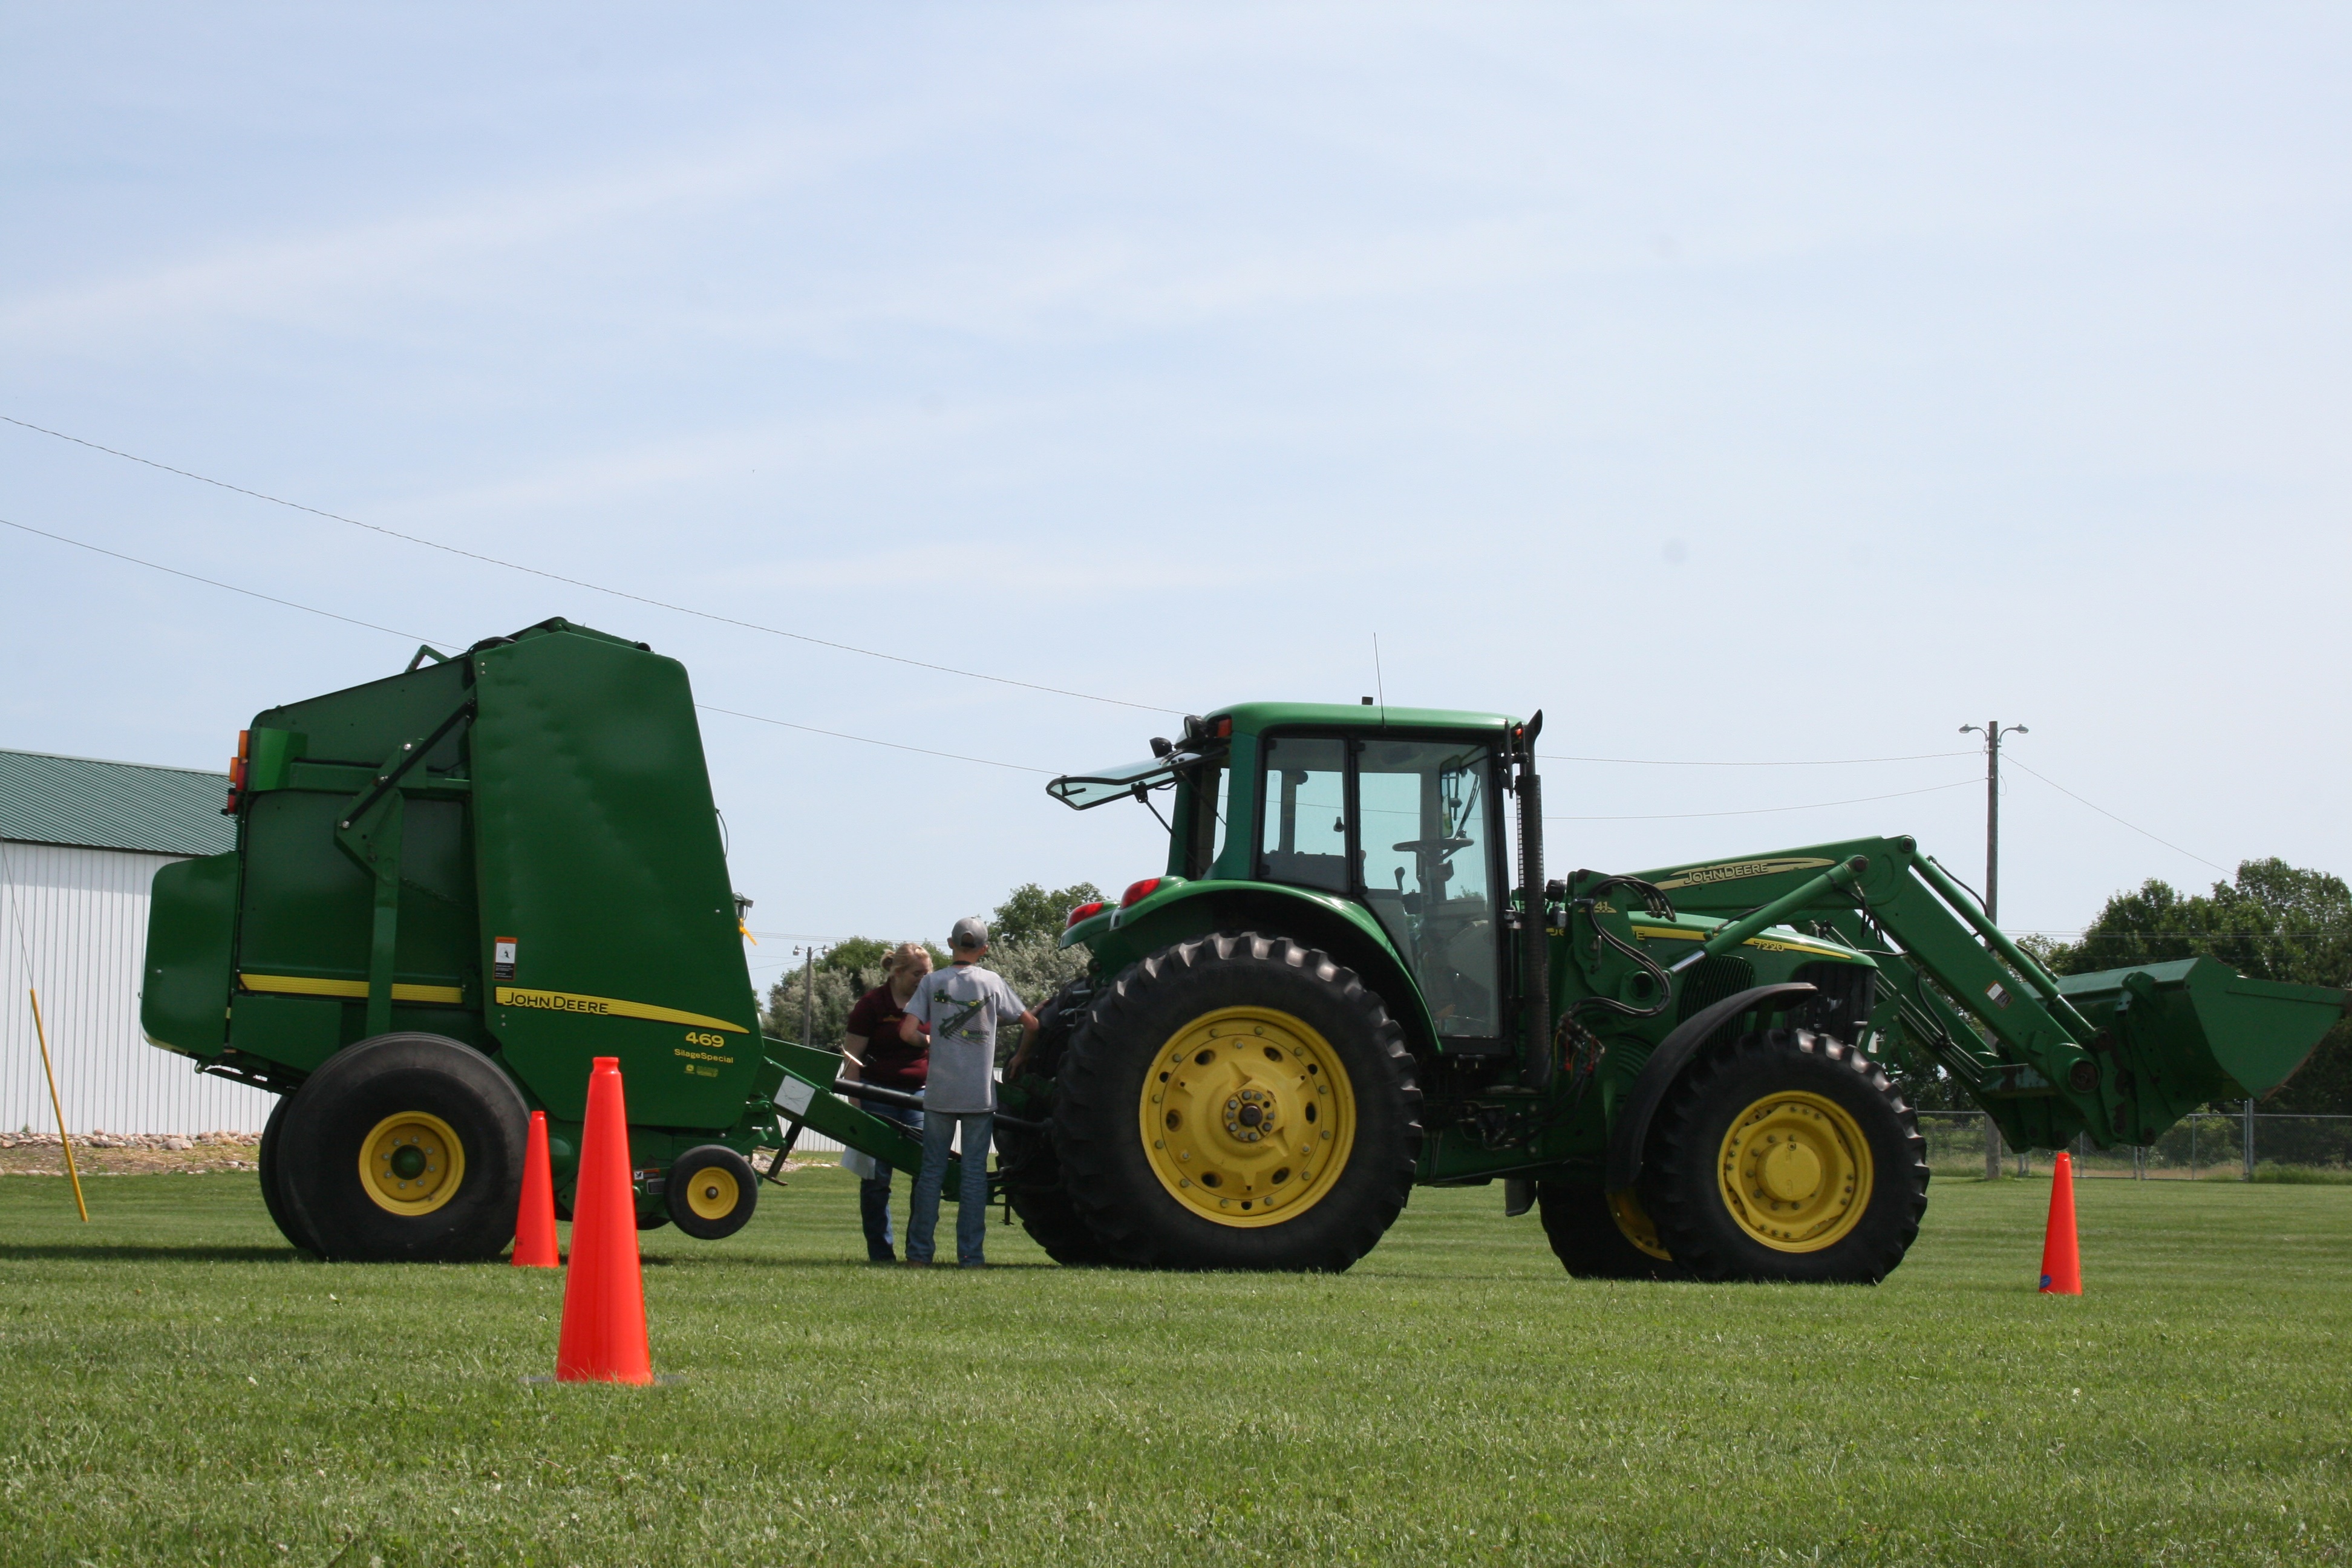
[{"x": 959, "y": 1007}]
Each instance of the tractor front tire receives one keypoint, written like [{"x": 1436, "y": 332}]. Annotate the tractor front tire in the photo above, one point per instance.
[
  {"x": 281, "y": 1213},
  {"x": 1788, "y": 1156},
  {"x": 404, "y": 1148},
  {"x": 1586, "y": 1238},
  {"x": 1238, "y": 1101}
]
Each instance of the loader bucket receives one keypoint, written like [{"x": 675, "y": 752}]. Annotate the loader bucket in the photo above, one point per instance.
[{"x": 2193, "y": 1031}]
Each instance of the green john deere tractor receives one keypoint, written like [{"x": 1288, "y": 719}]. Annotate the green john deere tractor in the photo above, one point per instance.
[
  {"x": 456, "y": 886},
  {"x": 1342, "y": 987}
]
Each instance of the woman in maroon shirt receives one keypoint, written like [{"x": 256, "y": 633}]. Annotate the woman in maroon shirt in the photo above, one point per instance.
[{"x": 873, "y": 1054}]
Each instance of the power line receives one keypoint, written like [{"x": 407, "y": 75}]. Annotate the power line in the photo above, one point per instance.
[
  {"x": 868, "y": 740},
  {"x": 1763, "y": 810},
  {"x": 579, "y": 582},
  {"x": 389, "y": 631},
  {"x": 211, "y": 582},
  {"x": 953, "y": 756},
  {"x": 2111, "y": 817},
  {"x": 1824, "y": 763}
]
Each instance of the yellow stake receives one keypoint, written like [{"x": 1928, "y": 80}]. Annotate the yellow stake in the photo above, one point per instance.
[{"x": 56, "y": 1104}]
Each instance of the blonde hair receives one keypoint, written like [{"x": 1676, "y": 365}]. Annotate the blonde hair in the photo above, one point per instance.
[{"x": 907, "y": 955}]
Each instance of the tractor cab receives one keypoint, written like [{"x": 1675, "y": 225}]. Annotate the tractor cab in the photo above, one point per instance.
[{"x": 1394, "y": 814}]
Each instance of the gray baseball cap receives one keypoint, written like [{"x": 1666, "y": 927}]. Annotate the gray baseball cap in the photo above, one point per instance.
[{"x": 970, "y": 932}]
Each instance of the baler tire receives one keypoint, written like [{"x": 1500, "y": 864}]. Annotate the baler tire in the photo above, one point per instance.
[
  {"x": 353, "y": 1099},
  {"x": 1109, "y": 1171},
  {"x": 1683, "y": 1181},
  {"x": 281, "y": 1213},
  {"x": 738, "y": 1194},
  {"x": 1584, "y": 1236}
]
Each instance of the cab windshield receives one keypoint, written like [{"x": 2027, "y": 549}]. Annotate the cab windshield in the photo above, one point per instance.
[{"x": 1428, "y": 870}]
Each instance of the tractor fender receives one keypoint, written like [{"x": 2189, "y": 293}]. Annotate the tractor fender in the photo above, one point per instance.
[
  {"x": 1340, "y": 926},
  {"x": 1665, "y": 1064}
]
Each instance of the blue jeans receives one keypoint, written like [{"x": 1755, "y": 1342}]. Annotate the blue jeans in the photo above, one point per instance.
[
  {"x": 971, "y": 1204},
  {"x": 874, "y": 1194}
]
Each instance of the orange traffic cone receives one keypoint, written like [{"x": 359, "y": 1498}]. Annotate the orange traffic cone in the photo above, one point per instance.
[
  {"x": 603, "y": 1338},
  {"x": 2061, "y": 1261},
  {"x": 535, "y": 1219}
]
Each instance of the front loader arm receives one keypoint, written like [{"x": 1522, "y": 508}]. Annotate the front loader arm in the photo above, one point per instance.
[{"x": 2119, "y": 1056}]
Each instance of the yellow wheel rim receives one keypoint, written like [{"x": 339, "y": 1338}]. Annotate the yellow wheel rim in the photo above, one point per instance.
[
  {"x": 1633, "y": 1222},
  {"x": 712, "y": 1193},
  {"x": 1247, "y": 1116},
  {"x": 412, "y": 1163},
  {"x": 1795, "y": 1172}
]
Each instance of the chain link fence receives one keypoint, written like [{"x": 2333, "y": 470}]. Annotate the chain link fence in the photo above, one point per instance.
[{"x": 2206, "y": 1146}]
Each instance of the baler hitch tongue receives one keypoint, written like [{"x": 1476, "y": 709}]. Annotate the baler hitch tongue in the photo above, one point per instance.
[{"x": 2193, "y": 1031}]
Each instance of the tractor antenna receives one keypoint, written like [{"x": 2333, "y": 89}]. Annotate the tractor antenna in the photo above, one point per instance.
[{"x": 1380, "y": 684}]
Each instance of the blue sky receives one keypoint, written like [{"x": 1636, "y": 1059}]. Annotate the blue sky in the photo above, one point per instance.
[{"x": 1734, "y": 384}]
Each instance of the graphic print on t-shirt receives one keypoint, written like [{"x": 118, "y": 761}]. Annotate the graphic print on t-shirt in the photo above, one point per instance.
[
  {"x": 964, "y": 1005},
  {"x": 958, "y": 1026}
]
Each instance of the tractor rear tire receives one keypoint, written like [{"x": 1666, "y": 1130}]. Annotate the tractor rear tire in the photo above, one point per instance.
[
  {"x": 1787, "y": 1155},
  {"x": 1238, "y": 1101},
  {"x": 1585, "y": 1236},
  {"x": 1054, "y": 1224},
  {"x": 1042, "y": 1198},
  {"x": 712, "y": 1192},
  {"x": 404, "y": 1148},
  {"x": 1035, "y": 1183},
  {"x": 281, "y": 1213}
]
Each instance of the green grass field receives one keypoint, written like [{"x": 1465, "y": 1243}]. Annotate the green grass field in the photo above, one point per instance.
[{"x": 178, "y": 1387}]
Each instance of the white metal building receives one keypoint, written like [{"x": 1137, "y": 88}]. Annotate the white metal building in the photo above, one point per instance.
[{"x": 80, "y": 842}]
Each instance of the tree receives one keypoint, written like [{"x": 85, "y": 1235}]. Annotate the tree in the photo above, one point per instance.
[
  {"x": 1029, "y": 913},
  {"x": 1024, "y": 934},
  {"x": 2275, "y": 921},
  {"x": 836, "y": 992}
]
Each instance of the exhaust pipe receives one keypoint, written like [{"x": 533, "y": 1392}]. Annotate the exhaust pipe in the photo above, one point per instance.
[{"x": 1535, "y": 962}]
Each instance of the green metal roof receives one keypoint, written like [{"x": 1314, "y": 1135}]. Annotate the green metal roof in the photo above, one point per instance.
[{"x": 113, "y": 805}]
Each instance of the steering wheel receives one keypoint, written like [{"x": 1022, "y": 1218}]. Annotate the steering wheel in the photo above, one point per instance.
[{"x": 1447, "y": 847}]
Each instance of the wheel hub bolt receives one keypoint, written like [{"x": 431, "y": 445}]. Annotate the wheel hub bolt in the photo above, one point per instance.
[{"x": 1250, "y": 1115}]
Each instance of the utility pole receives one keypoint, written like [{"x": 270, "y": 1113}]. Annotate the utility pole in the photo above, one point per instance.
[
  {"x": 1993, "y": 733},
  {"x": 808, "y": 995}
]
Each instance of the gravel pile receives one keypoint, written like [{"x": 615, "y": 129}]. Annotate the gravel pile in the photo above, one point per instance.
[
  {"x": 98, "y": 1154},
  {"x": 97, "y": 1138}
]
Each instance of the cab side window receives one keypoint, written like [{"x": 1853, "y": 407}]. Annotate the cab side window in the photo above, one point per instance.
[{"x": 1303, "y": 812}]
